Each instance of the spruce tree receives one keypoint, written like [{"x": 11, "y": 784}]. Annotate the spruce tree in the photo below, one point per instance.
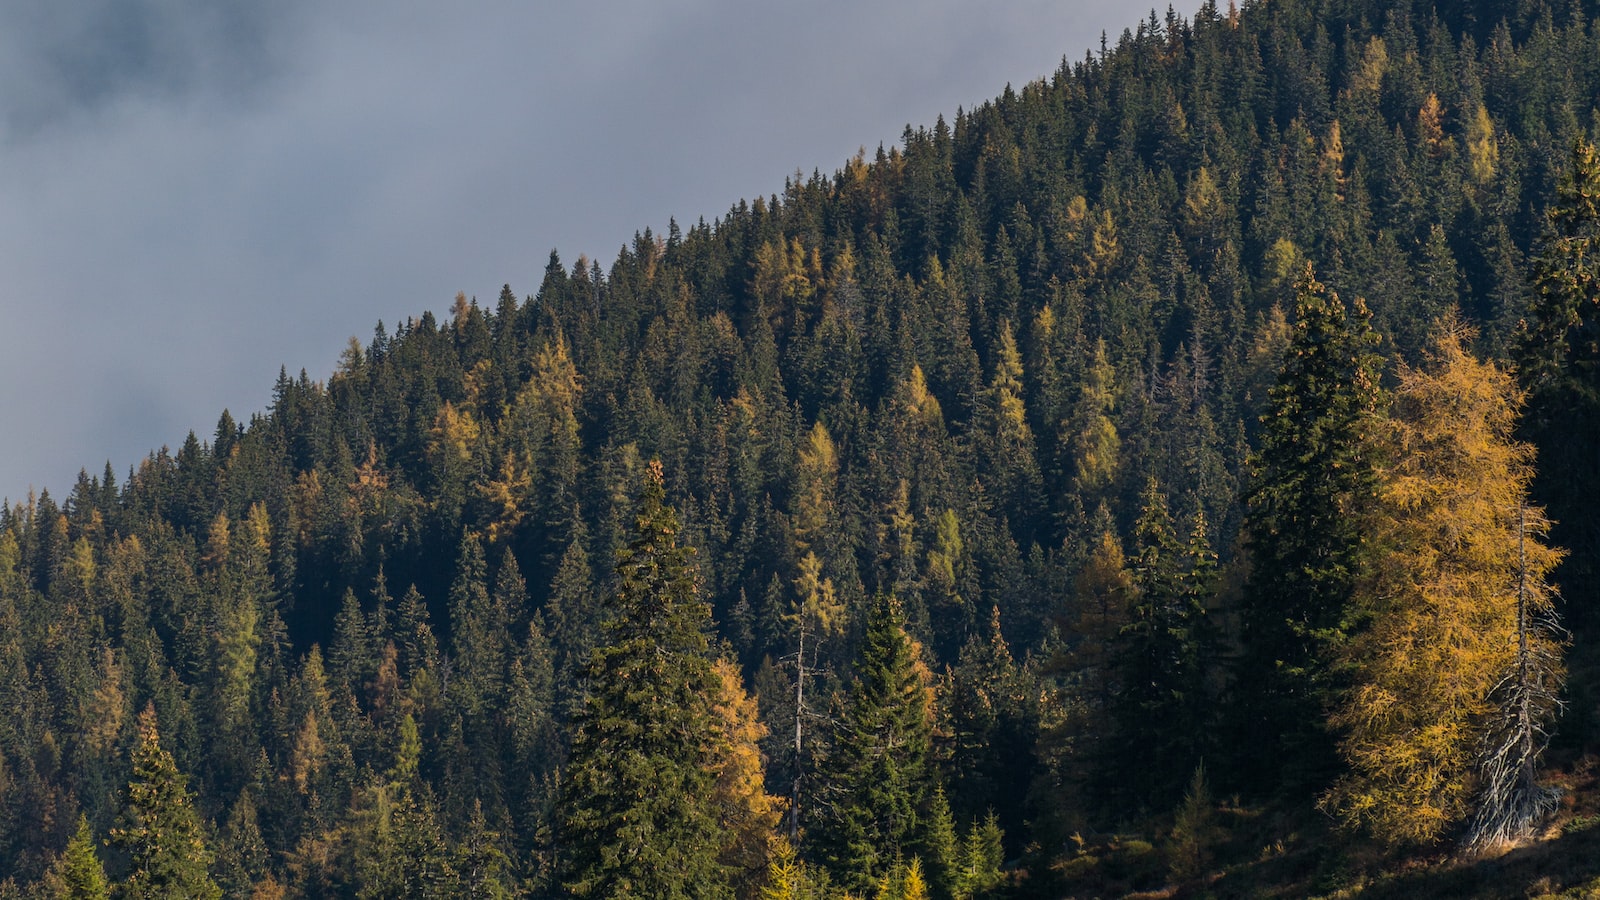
[
  {"x": 78, "y": 874},
  {"x": 636, "y": 818},
  {"x": 789, "y": 878},
  {"x": 1314, "y": 480},
  {"x": 1559, "y": 360},
  {"x": 160, "y": 830},
  {"x": 879, "y": 779},
  {"x": 1160, "y": 715}
]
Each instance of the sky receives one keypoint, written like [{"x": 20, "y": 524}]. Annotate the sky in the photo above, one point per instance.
[{"x": 194, "y": 194}]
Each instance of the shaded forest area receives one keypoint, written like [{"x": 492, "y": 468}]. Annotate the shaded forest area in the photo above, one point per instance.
[{"x": 1178, "y": 472}]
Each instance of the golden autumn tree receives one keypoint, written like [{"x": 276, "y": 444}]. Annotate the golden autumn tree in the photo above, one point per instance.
[
  {"x": 1090, "y": 431},
  {"x": 816, "y": 484},
  {"x": 1013, "y": 472},
  {"x": 748, "y": 814},
  {"x": 1460, "y": 567}
]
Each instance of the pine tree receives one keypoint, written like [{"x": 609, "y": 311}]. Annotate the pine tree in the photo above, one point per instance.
[
  {"x": 1160, "y": 714},
  {"x": 1444, "y": 612},
  {"x": 160, "y": 830},
  {"x": 636, "y": 818},
  {"x": 479, "y": 631},
  {"x": 1306, "y": 513},
  {"x": 879, "y": 779},
  {"x": 1559, "y": 362},
  {"x": 789, "y": 878},
  {"x": 78, "y": 874}
]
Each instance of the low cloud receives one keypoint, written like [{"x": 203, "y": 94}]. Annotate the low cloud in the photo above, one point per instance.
[
  {"x": 193, "y": 194},
  {"x": 64, "y": 61}
]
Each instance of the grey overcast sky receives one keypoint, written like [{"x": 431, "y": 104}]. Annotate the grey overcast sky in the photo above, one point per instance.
[{"x": 194, "y": 193}]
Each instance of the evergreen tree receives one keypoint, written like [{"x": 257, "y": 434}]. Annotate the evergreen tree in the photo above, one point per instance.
[
  {"x": 989, "y": 729},
  {"x": 479, "y": 632},
  {"x": 789, "y": 878},
  {"x": 159, "y": 830},
  {"x": 570, "y": 614},
  {"x": 1306, "y": 516},
  {"x": 1161, "y": 712},
  {"x": 78, "y": 874},
  {"x": 982, "y": 859},
  {"x": 1559, "y": 356},
  {"x": 242, "y": 854},
  {"x": 636, "y": 818},
  {"x": 880, "y": 778}
]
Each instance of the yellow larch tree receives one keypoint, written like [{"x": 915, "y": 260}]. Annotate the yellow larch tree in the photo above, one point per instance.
[
  {"x": 748, "y": 814},
  {"x": 1444, "y": 613}
]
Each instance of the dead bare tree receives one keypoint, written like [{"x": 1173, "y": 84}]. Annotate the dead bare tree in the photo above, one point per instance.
[{"x": 1527, "y": 701}]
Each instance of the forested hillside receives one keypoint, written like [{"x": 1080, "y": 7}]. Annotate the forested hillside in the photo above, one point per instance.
[{"x": 1144, "y": 479}]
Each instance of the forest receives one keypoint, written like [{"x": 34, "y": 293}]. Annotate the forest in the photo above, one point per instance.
[{"x": 1176, "y": 475}]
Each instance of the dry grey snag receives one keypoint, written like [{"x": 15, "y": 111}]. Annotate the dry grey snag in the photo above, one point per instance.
[{"x": 1527, "y": 701}]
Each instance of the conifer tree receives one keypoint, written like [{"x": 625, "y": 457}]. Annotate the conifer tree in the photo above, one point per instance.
[
  {"x": 479, "y": 631},
  {"x": 78, "y": 874},
  {"x": 1559, "y": 362},
  {"x": 419, "y": 862},
  {"x": 818, "y": 617},
  {"x": 1459, "y": 567},
  {"x": 1090, "y": 432},
  {"x": 160, "y": 830},
  {"x": 1103, "y": 588},
  {"x": 982, "y": 857},
  {"x": 636, "y": 818},
  {"x": 350, "y": 655},
  {"x": 989, "y": 729},
  {"x": 879, "y": 779},
  {"x": 1306, "y": 514},
  {"x": 1160, "y": 712},
  {"x": 571, "y": 617},
  {"x": 747, "y": 813},
  {"x": 242, "y": 853},
  {"x": 790, "y": 878},
  {"x": 1016, "y": 480},
  {"x": 532, "y": 722},
  {"x": 1561, "y": 338}
]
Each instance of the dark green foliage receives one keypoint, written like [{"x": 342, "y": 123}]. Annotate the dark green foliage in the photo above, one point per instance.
[
  {"x": 1314, "y": 483},
  {"x": 1166, "y": 653},
  {"x": 242, "y": 854},
  {"x": 1560, "y": 340},
  {"x": 635, "y": 818},
  {"x": 1559, "y": 351},
  {"x": 1003, "y": 326},
  {"x": 159, "y": 828},
  {"x": 879, "y": 780},
  {"x": 990, "y": 724}
]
